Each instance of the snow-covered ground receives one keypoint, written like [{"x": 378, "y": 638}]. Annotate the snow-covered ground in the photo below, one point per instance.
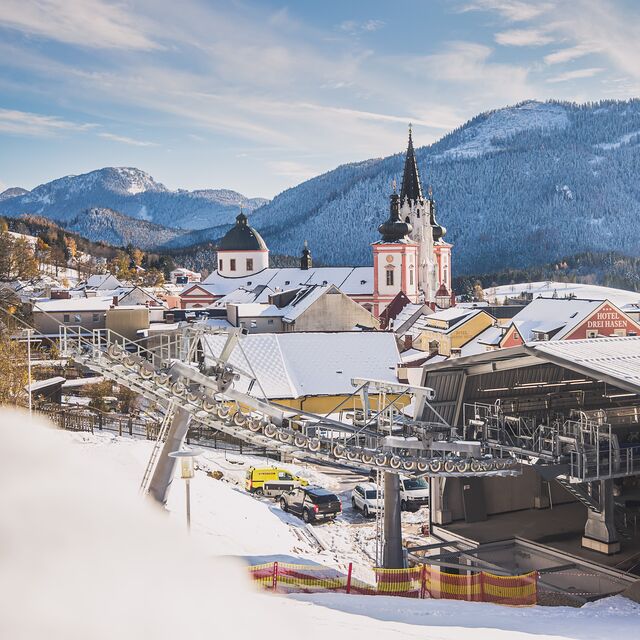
[{"x": 83, "y": 556}]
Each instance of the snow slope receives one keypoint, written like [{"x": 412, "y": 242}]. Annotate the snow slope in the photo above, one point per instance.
[{"x": 85, "y": 557}]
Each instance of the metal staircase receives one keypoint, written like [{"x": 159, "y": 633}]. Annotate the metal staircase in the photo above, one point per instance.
[
  {"x": 580, "y": 492},
  {"x": 157, "y": 447}
]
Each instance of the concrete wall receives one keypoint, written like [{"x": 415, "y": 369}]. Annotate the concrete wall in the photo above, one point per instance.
[
  {"x": 506, "y": 494},
  {"x": 333, "y": 312},
  {"x": 127, "y": 322},
  {"x": 50, "y": 323},
  {"x": 261, "y": 324}
]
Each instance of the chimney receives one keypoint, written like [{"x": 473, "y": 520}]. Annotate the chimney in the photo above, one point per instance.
[
  {"x": 60, "y": 294},
  {"x": 169, "y": 318},
  {"x": 408, "y": 341},
  {"x": 114, "y": 302}
]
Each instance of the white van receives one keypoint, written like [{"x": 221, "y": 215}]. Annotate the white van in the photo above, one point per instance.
[{"x": 414, "y": 493}]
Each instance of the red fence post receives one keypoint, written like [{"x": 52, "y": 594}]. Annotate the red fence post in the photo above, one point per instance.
[
  {"x": 275, "y": 576},
  {"x": 349, "y": 577}
]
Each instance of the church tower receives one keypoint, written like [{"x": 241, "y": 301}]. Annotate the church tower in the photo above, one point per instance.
[
  {"x": 395, "y": 258},
  {"x": 434, "y": 254}
]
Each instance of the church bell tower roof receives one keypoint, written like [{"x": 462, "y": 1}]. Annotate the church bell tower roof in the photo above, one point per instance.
[{"x": 411, "y": 188}]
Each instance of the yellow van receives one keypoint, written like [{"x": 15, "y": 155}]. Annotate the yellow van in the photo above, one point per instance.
[{"x": 271, "y": 481}]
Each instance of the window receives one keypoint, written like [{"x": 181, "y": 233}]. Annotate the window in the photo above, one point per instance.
[
  {"x": 249, "y": 264},
  {"x": 286, "y": 282},
  {"x": 220, "y": 265},
  {"x": 96, "y": 317},
  {"x": 77, "y": 318},
  {"x": 389, "y": 278},
  {"x": 65, "y": 318},
  {"x": 621, "y": 333},
  {"x": 232, "y": 264},
  {"x": 270, "y": 321},
  {"x": 592, "y": 334},
  {"x": 410, "y": 276}
]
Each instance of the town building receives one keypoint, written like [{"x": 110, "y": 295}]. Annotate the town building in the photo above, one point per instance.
[
  {"x": 184, "y": 276},
  {"x": 567, "y": 319},
  {"x": 310, "y": 371},
  {"x": 412, "y": 257},
  {"x": 312, "y": 308}
]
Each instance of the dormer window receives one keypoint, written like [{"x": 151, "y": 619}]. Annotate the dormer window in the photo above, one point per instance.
[
  {"x": 363, "y": 282},
  {"x": 286, "y": 282},
  {"x": 324, "y": 283}
]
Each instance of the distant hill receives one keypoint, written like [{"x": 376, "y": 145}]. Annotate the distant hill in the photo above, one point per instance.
[
  {"x": 131, "y": 192},
  {"x": 515, "y": 187}
]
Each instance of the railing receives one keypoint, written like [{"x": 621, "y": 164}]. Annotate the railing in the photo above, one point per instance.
[
  {"x": 422, "y": 581},
  {"x": 589, "y": 467}
]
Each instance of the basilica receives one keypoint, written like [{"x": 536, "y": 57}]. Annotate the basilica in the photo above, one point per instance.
[{"x": 411, "y": 260}]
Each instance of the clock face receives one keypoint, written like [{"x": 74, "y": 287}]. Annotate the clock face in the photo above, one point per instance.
[{"x": 389, "y": 258}]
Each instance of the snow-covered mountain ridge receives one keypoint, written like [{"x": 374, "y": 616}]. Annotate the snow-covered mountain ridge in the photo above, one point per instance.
[
  {"x": 515, "y": 187},
  {"x": 131, "y": 192}
]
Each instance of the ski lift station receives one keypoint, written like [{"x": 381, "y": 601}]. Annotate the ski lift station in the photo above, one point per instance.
[{"x": 570, "y": 412}]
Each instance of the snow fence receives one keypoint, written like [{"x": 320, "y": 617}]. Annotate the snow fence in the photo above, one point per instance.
[{"x": 423, "y": 581}]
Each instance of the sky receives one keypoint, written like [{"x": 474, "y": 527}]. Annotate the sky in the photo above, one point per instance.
[{"x": 258, "y": 96}]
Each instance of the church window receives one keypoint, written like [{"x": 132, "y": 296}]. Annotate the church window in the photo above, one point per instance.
[
  {"x": 411, "y": 276},
  {"x": 220, "y": 265},
  {"x": 249, "y": 264},
  {"x": 389, "y": 278},
  {"x": 232, "y": 264}
]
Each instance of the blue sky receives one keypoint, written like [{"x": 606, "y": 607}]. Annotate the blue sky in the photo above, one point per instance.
[{"x": 259, "y": 96}]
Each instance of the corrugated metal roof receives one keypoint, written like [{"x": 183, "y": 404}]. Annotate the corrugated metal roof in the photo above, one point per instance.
[{"x": 617, "y": 358}]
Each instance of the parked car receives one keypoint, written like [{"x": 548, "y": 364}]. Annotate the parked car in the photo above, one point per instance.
[
  {"x": 271, "y": 481},
  {"x": 312, "y": 504},
  {"x": 365, "y": 497},
  {"x": 414, "y": 492}
]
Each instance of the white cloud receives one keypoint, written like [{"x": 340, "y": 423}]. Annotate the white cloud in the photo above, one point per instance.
[
  {"x": 607, "y": 28},
  {"x": 570, "y": 53},
  {"x": 88, "y": 23},
  {"x": 291, "y": 169},
  {"x": 523, "y": 38},
  {"x": 576, "y": 74},
  {"x": 466, "y": 69},
  {"x": 35, "y": 124},
  {"x": 127, "y": 140},
  {"x": 511, "y": 10},
  {"x": 354, "y": 27}
]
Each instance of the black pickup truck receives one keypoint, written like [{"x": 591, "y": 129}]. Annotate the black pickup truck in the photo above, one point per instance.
[{"x": 312, "y": 504}]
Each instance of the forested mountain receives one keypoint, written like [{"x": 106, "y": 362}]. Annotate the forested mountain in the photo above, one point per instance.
[
  {"x": 515, "y": 187},
  {"x": 133, "y": 193}
]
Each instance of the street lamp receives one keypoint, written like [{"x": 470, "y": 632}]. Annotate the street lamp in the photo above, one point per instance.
[
  {"x": 28, "y": 333},
  {"x": 186, "y": 457}
]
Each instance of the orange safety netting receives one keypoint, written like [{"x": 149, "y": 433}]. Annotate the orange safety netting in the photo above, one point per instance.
[{"x": 422, "y": 581}]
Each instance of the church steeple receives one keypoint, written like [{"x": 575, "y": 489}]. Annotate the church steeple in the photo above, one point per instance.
[
  {"x": 411, "y": 188},
  {"x": 393, "y": 229},
  {"x": 305, "y": 258}
]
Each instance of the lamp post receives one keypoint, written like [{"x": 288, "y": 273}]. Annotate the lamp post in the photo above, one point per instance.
[
  {"x": 186, "y": 457},
  {"x": 28, "y": 333}
]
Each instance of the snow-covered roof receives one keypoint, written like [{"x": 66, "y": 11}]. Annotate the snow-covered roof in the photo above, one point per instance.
[
  {"x": 291, "y": 365},
  {"x": 617, "y": 358},
  {"x": 405, "y": 315},
  {"x": 619, "y": 297},
  {"x": 256, "y": 309},
  {"x": 97, "y": 303},
  {"x": 104, "y": 280},
  {"x": 303, "y": 300},
  {"x": 555, "y": 316},
  {"x": 350, "y": 280},
  {"x": 244, "y": 295},
  {"x": 445, "y": 321},
  {"x": 44, "y": 384}
]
